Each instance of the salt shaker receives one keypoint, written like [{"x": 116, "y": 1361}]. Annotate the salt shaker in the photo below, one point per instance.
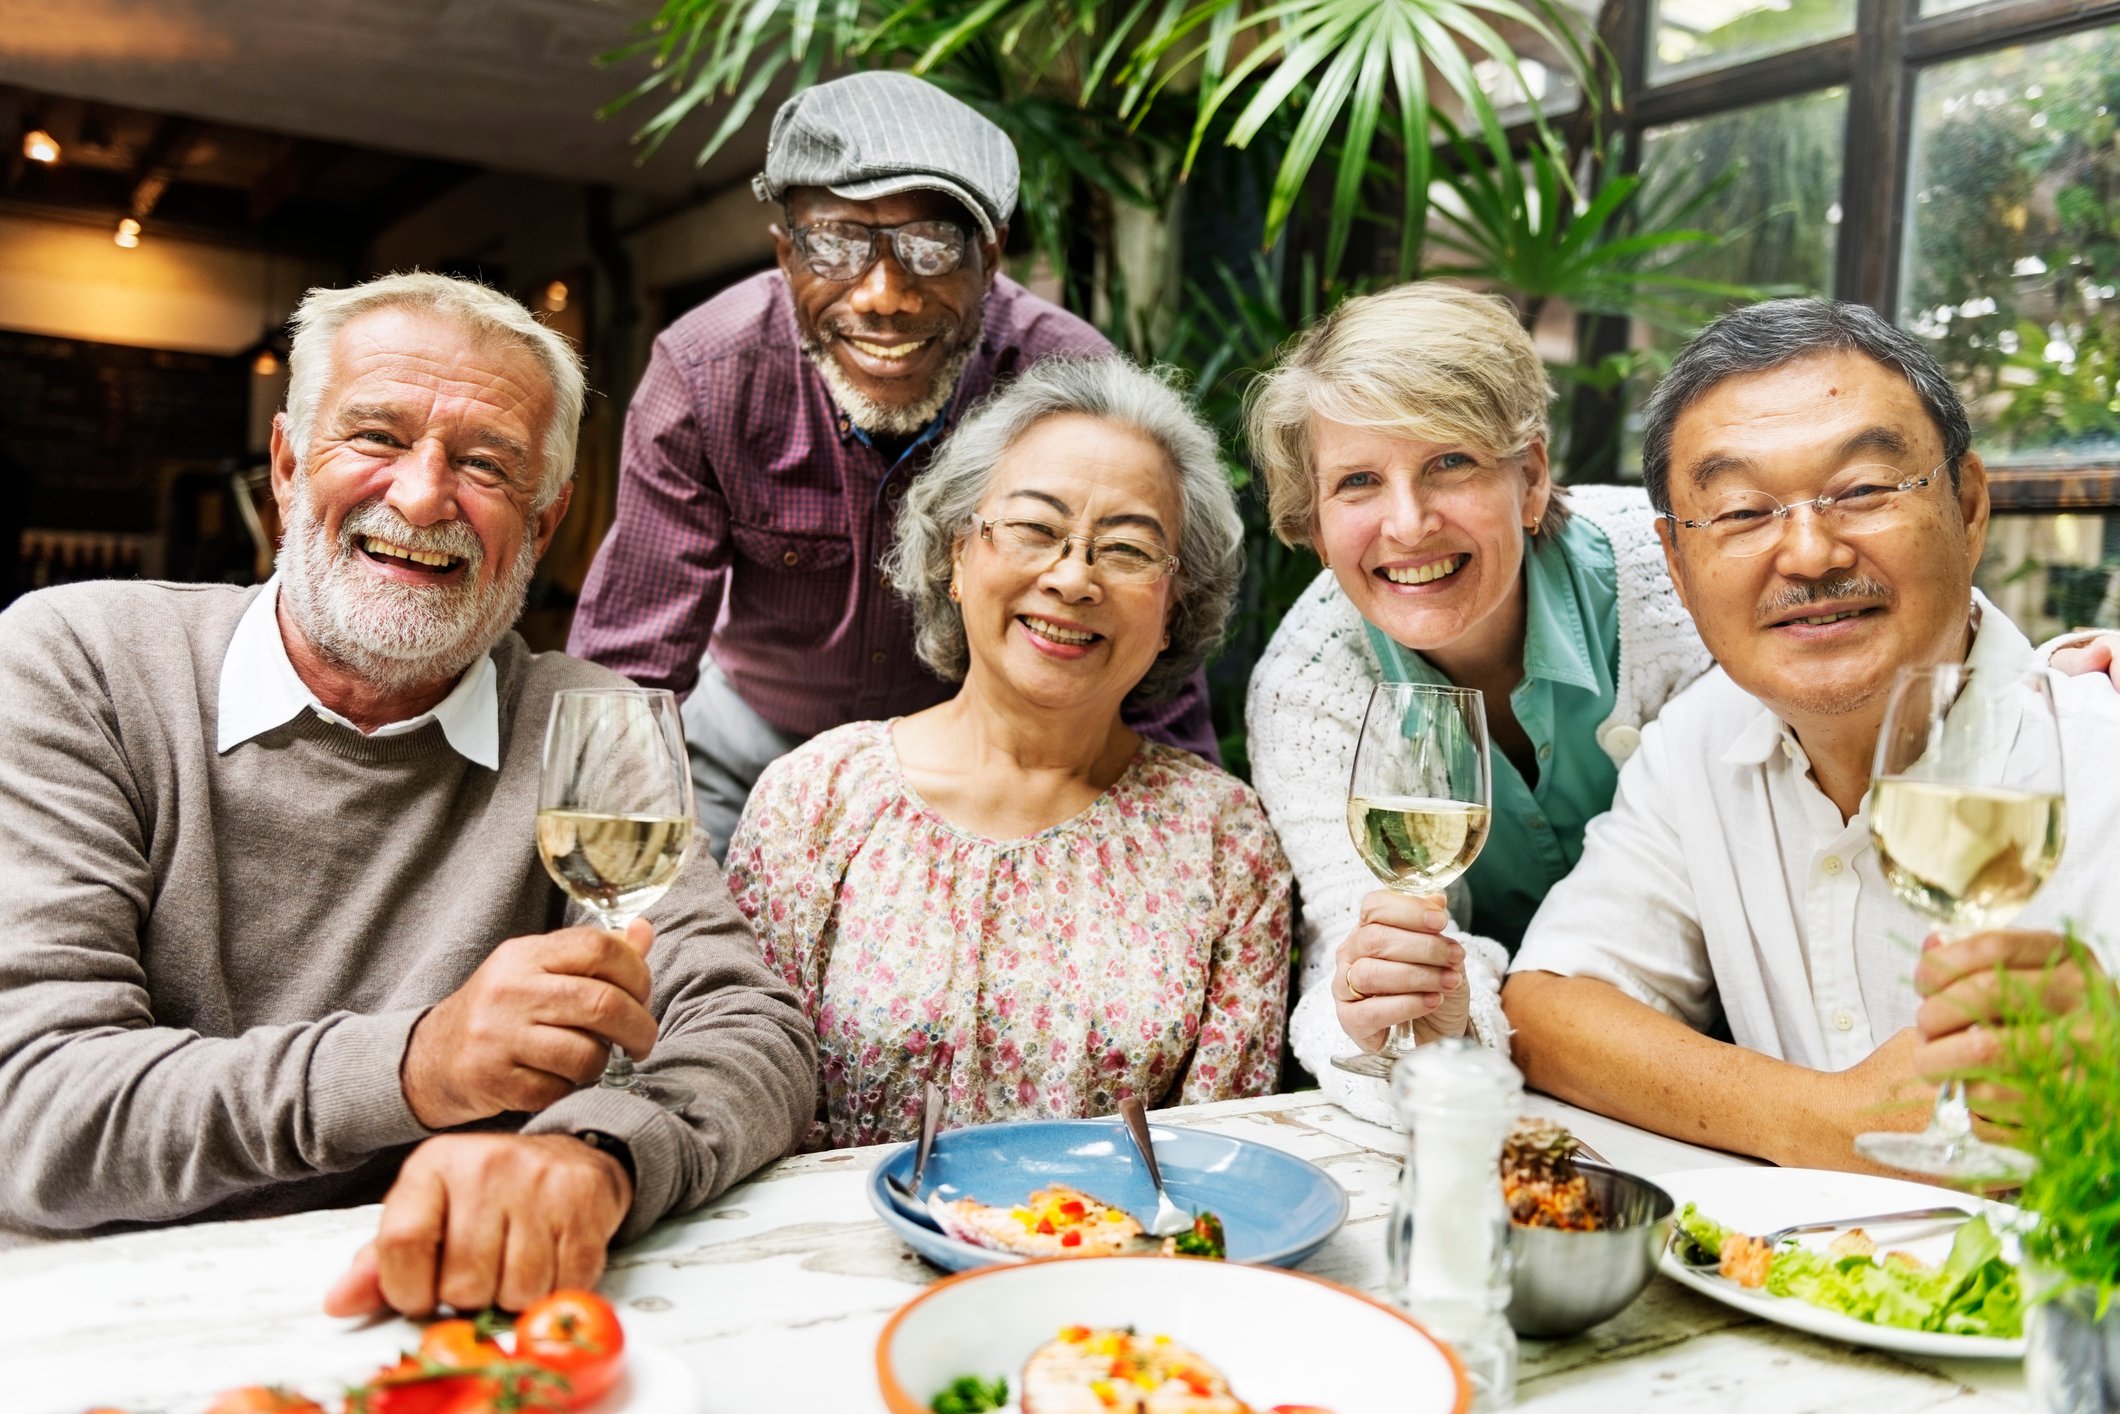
[{"x": 1448, "y": 1242}]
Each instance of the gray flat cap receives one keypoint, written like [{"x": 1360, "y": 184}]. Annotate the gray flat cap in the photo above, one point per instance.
[{"x": 875, "y": 134}]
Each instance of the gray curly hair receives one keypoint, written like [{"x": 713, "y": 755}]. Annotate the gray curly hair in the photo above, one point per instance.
[{"x": 938, "y": 509}]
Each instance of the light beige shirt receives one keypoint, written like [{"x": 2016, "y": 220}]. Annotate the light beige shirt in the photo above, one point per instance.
[{"x": 1723, "y": 885}]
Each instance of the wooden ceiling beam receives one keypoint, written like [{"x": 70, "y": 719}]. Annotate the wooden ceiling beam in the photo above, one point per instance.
[
  {"x": 284, "y": 177},
  {"x": 159, "y": 160}
]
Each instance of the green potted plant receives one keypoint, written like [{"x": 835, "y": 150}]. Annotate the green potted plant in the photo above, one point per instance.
[{"x": 2059, "y": 1087}]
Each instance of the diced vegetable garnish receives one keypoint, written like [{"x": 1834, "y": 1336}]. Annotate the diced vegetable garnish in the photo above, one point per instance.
[{"x": 1205, "y": 1239}]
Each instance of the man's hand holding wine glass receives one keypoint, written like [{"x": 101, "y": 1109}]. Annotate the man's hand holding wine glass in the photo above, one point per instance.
[
  {"x": 1963, "y": 984},
  {"x": 534, "y": 1023}
]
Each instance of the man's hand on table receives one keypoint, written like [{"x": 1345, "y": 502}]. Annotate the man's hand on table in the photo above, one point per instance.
[
  {"x": 1397, "y": 965},
  {"x": 1882, "y": 1091},
  {"x": 478, "y": 1220},
  {"x": 2094, "y": 655},
  {"x": 533, "y": 1024}
]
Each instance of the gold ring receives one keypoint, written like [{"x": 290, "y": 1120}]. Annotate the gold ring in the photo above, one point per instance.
[{"x": 1354, "y": 993}]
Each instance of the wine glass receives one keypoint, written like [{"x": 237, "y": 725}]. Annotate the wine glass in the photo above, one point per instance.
[
  {"x": 1417, "y": 802},
  {"x": 614, "y": 810},
  {"x": 1966, "y": 812}
]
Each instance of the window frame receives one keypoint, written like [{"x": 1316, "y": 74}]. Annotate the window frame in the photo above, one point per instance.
[{"x": 1878, "y": 63}]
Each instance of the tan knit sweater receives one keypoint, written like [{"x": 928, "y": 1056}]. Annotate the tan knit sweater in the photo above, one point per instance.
[{"x": 210, "y": 964}]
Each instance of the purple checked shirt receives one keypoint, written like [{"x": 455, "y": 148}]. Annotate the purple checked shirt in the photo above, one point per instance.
[{"x": 752, "y": 515}]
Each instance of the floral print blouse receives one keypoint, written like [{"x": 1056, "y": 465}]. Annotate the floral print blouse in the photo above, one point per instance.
[{"x": 1138, "y": 948}]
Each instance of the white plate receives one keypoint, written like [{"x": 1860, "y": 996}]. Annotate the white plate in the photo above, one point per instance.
[
  {"x": 656, "y": 1382},
  {"x": 1759, "y": 1200},
  {"x": 1281, "y": 1337}
]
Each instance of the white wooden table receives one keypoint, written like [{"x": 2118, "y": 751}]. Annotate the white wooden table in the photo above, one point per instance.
[{"x": 774, "y": 1296}]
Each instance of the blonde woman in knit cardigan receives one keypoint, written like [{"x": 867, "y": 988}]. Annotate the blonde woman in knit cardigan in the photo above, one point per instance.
[{"x": 1404, "y": 439}]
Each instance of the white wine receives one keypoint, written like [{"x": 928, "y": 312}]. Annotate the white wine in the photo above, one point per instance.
[
  {"x": 1416, "y": 843},
  {"x": 1967, "y": 857},
  {"x": 615, "y": 864}
]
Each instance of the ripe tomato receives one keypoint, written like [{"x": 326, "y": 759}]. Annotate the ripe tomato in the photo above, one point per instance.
[
  {"x": 484, "y": 1397},
  {"x": 263, "y": 1399},
  {"x": 408, "y": 1387},
  {"x": 574, "y": 1334},
  {"x": 459, "y": 1343}
]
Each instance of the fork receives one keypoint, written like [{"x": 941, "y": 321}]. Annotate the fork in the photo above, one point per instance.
[
  {"x": 1170, "y": 1219},
  {"x": 1687, "y": 1254},
  {"x": 930, "y": 1120}
]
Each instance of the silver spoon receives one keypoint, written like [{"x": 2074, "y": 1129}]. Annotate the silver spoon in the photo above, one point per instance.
[
  {"x": 1688, "y": 1251},
  {"x": 1170, "y": 1219},
  {"x": 908, "y": 1194}
]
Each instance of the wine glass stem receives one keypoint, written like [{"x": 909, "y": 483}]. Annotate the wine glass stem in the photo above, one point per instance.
[
  {"x": 1951, "y": 1119},
  {"x": 618, "y": 1068}
]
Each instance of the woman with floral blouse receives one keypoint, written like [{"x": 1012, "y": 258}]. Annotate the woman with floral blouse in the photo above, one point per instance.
[{"x": 1012, "y": 894}]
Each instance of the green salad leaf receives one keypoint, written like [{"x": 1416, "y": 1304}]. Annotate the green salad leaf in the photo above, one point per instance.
[
  {"x": 968, "y": 1394},
  {"x": 1975, "y": 1291},
  {"x": 1702, "y": 1235}
]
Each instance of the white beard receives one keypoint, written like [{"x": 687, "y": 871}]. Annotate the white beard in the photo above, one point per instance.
[
  {"x": 396, "y": 636},
  {"x": 871, "y": 416}
]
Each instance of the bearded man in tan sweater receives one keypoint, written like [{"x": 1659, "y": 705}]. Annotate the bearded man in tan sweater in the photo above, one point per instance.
[{"x": 273, "y": 930}]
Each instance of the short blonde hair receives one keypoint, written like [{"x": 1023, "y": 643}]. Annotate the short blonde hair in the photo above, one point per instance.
[
  {"x": 1425, "y": 360},
  {"x": 478, "y": 309}
]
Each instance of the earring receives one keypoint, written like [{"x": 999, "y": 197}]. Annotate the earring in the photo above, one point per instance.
[
  {"x": 1532, "y": 530},
  {"x": 955, "y": 593}
]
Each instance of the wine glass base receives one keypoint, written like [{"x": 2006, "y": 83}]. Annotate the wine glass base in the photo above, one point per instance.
[
  {"x": 1371, "y": 1064},
  {"x": 1960, "y": 1158}
]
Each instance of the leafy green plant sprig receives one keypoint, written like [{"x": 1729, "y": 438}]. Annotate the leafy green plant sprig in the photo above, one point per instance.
[{"x": 2062, "y": 1079}]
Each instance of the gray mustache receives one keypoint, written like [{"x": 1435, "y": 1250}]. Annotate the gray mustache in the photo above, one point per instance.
[
  {"x": 452, "y": 537},
  {"x": 1799, "y": 596}
]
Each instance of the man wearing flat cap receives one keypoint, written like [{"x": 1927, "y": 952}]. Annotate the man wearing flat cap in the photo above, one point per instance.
[{"x": 779, "y": 424}]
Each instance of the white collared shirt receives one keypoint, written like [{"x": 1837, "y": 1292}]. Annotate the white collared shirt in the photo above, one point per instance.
[
  {"x": 260, "y": 690},
  {"x": 1723, "y": 882}
]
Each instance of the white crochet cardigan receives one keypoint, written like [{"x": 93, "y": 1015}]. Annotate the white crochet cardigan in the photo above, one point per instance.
[{"x": 1308, "y": 694}]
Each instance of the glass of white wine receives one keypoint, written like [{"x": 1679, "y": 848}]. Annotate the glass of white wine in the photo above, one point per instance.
[
  {"x": 1966, "y": 812},
  {"x": 615, "y": 814},
  {"x": 1417, "y": 802}
]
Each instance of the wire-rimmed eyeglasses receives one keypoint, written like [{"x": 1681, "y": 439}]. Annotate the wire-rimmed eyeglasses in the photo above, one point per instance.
[
  {"x": 1035, "y": 544},
  {"x": 1747, "y": 521}
]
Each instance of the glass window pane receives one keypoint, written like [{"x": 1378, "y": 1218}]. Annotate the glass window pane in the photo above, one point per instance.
[
  {"x": 2053, "y": 572},
  {"x": 2012, "y": 259},
  {"x": 1767, "y": 180},
  {"x": 1691, "y": 36}
]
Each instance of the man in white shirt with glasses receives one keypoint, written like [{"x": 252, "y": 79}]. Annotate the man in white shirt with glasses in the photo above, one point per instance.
[{"x": 1823, "y": 517}]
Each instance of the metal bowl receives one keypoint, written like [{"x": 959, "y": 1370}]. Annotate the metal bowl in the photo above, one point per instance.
[{"x": 1562, "y": 1283}]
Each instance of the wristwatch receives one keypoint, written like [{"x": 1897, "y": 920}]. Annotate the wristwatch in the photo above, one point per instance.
[{"x": 616, "y": 1147}]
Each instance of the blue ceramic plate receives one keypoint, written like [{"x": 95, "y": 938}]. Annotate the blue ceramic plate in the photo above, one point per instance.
[{"x": 1276, "y": 1209}]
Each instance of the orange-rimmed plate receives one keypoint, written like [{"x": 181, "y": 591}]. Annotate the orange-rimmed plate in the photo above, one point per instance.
[{"x": 1281, "y": 1337}]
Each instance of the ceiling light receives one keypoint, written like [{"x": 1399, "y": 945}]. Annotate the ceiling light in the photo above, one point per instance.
[
  {"x": 265, "y": 364},
  {"x": 556, "y": 296},
  {"x": 128, "y": 233},
  {"x": 40, "y": 146}
]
